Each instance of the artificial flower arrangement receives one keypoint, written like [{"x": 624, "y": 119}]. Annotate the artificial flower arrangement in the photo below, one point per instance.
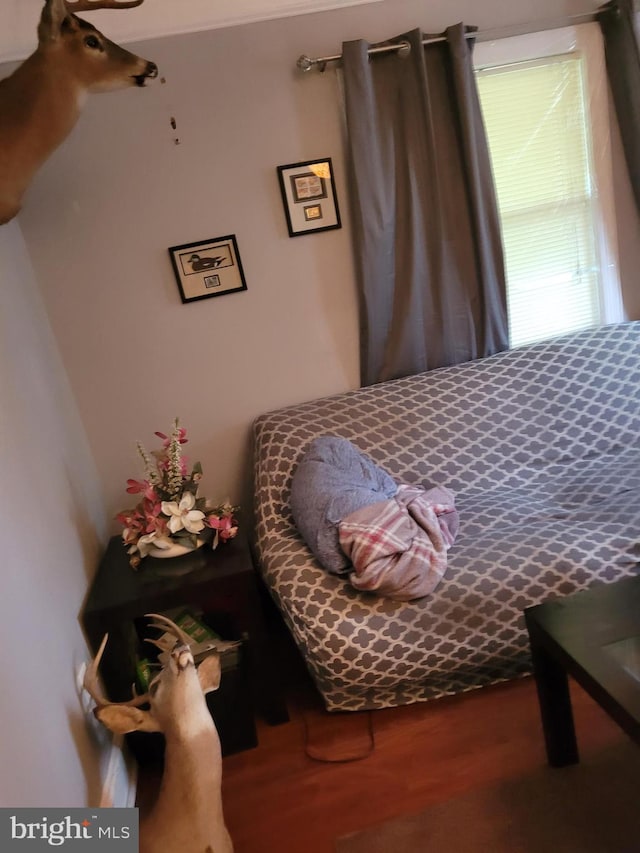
[{"x": 170, "y": 512}]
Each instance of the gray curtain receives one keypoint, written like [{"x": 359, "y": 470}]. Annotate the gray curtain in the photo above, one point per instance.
[
  {"x": 426, "y": 228},
  {"x": 623, "y": 69}
]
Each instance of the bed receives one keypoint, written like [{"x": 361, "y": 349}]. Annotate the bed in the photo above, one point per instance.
[{"x": 540, "y": 446}]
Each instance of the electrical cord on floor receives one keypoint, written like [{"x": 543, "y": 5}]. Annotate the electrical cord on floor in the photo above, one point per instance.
[{"x": 317, "y": 755}]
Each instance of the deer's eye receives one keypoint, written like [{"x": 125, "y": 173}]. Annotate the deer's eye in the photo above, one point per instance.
[{"x": 92, "y": 42}]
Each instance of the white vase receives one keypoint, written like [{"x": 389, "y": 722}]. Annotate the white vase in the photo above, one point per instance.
[{"x": 176, "y": 549}]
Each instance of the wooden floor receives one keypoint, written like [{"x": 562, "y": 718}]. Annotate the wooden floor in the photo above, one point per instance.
[{"x": 279, "y": 800}]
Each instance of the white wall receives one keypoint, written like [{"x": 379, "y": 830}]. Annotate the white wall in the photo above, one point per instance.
[
  {"x": 102, "y": 213},
  {"x": 154, "y": 18},
  {"x": 52, "y": 527}
]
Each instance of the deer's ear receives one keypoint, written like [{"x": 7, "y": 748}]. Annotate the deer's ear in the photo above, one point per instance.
[
  {"x": 52, "y": 18},
  {"x": 209, "y": 673},
  {"x": 123, "y": 719}
]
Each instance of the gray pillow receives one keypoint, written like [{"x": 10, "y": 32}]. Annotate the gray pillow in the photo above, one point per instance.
[{"x": 332, "y": 480}]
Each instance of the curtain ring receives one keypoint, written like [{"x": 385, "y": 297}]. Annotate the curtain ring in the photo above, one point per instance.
[{"x": 404, "y": 49}]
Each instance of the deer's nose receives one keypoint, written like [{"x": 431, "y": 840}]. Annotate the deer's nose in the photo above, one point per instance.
[
  {"x": 183, "y": 657},
  {"x": 150, "y": 71}
]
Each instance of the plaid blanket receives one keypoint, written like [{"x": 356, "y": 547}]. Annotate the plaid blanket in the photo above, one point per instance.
[{"x": 398, "y": 547}]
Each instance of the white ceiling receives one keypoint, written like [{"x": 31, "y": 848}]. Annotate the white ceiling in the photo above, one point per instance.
[{"x": 19, "y": 18}]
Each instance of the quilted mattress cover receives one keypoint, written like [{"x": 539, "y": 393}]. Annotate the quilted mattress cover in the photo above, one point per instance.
[{"x": 541, "y": 446}]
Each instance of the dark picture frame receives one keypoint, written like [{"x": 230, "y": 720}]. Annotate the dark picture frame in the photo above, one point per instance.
[
  {"x": 208, "y": 268},
  {"x": 309, "y": 196}
]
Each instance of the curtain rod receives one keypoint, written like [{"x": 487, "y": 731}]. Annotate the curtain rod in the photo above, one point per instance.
[{"x": 306, "y": 63}]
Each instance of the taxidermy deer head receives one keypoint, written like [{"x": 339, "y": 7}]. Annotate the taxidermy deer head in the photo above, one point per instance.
[
  {"x": 41, "y": 101},
  {"x": 187, "y": 816}
]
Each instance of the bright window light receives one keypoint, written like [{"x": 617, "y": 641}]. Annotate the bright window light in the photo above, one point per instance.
[{"x": 546, "y": 117}]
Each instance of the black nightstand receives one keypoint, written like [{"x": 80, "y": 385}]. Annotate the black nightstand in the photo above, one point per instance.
[{"x": 223, "y": 586}]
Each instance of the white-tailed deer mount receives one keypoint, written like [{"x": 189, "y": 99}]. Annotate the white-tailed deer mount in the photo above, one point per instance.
[
  {"x": 41, "y": 101},
  {"x": 187, "y": 816}
]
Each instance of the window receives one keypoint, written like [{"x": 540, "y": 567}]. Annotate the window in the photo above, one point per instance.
[{"x": 544, "y": 100}]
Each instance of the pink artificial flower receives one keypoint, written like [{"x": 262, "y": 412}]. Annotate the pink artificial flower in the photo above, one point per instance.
[
  {"x": 226, "y": 526},
  {"x": 228, "y": 533},
  {"x": 153, "y": 522},
  {"x": 129, "y": 518},
  {"x": 166, "y": 439},
  {"x": 136, "y": 487},
  {"x": 124, "y": 518},
  {"x": 132, "y": 523}
]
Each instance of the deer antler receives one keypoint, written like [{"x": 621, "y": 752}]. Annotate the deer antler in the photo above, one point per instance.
[
  {"x": 92, "y": 685},
  {"x": 90, "y": 681},
  {"x": 86, "y": 5},
  {"x": 162, "y": 623}
]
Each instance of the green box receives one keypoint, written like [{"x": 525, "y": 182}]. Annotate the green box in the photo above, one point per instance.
[
  {"x": 144, "y": 674},
  {"x": 197, "y": 630}
]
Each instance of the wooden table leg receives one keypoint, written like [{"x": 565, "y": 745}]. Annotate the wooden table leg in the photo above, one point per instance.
[{"x": 554, "y": 698}]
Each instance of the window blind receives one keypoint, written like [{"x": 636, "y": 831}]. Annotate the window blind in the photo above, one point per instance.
[{"x": 537, "y": 125}]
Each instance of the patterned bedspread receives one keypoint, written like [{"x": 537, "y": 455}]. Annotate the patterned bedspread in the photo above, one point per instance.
[{"x": 541, "y": 447}]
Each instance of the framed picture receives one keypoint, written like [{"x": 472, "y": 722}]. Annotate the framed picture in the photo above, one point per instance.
[
  {"x": 309, "y": 196},
  {"x": 208, "y": 268}
]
